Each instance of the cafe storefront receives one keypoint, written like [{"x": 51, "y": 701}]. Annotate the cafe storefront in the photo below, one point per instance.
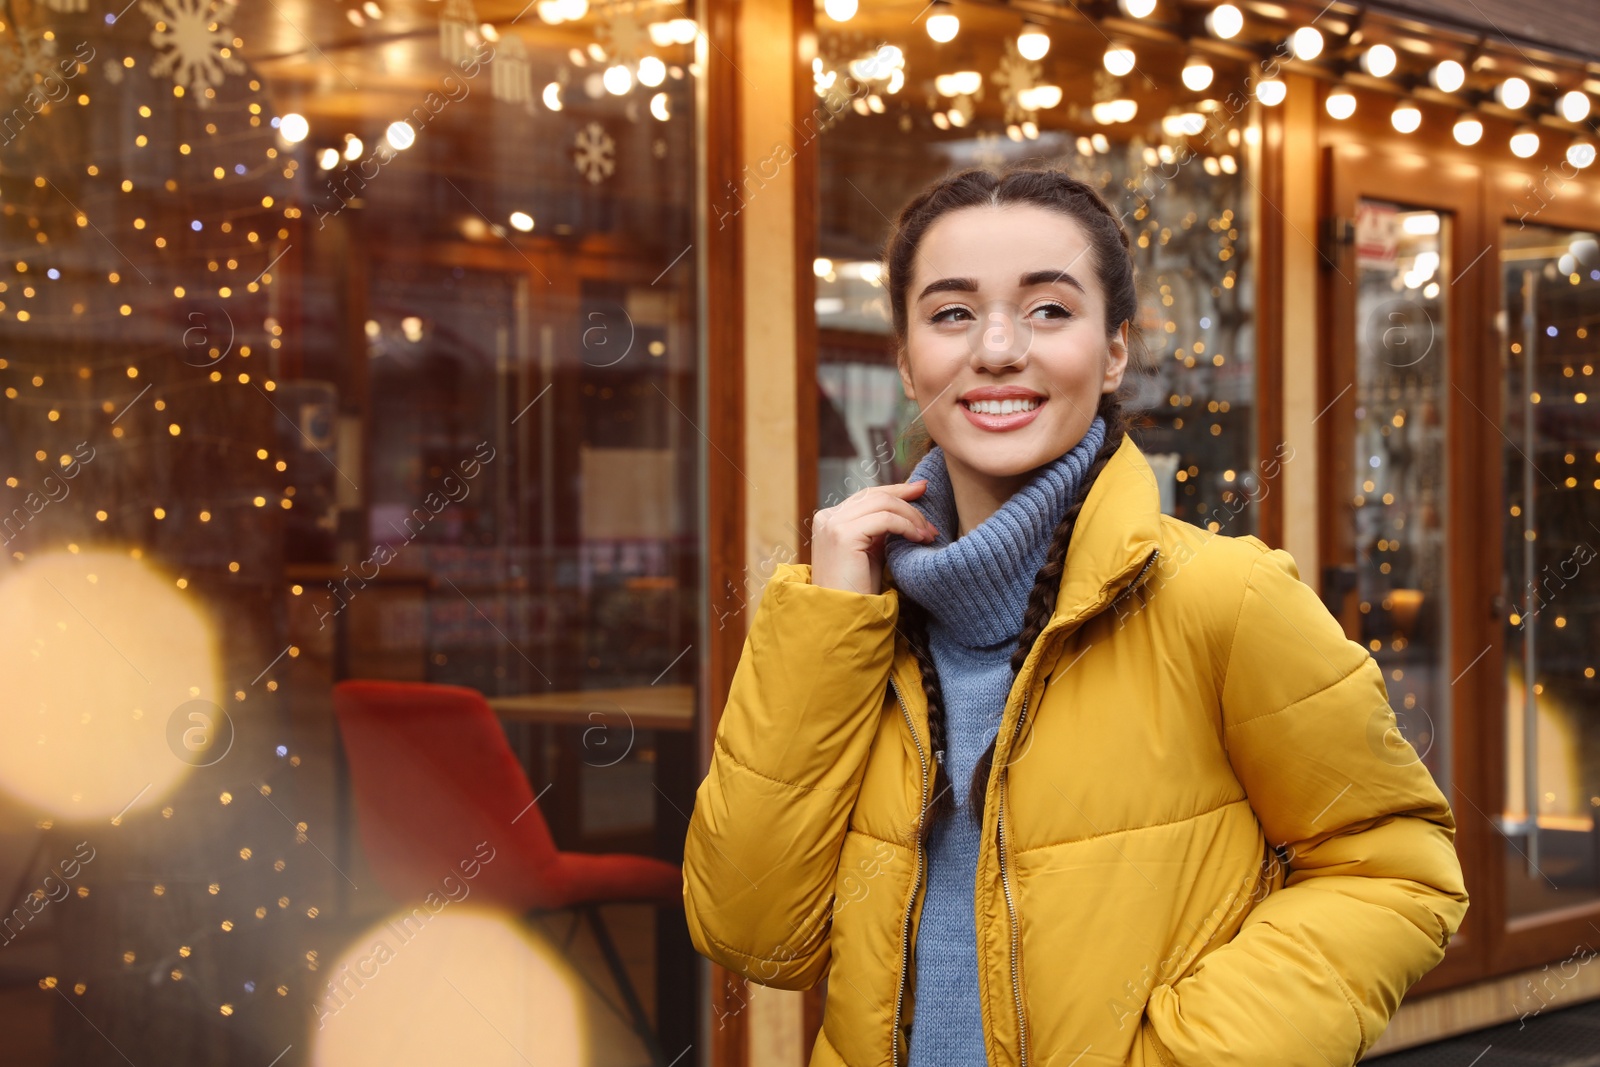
[{"x": 498, "y": 351}]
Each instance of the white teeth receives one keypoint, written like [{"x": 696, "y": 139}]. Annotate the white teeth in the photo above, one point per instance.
[{"x": 1002, "y": 407}]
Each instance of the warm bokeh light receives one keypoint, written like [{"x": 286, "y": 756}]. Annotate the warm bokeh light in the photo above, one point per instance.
[
  {"x": 98, "y": 651},
  {"x": 452, "y": 985},
  {"x": 1379, "y": 61},
  {"x": 1225, "y": 21}
]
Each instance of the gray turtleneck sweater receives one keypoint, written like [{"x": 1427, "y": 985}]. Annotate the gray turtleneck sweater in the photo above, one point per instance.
[{"x": 976, "y": 590}]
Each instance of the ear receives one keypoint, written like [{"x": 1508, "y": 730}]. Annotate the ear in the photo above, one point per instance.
[
  {"x": 1116, "y": 359},
  {"x": 903, "y": 364}
]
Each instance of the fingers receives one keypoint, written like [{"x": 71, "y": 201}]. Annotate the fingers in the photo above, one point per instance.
[{"x": 874, "y": 505}]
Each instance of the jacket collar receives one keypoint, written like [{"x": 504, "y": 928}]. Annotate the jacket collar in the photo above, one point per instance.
[{"x": 1118, "y": 529}]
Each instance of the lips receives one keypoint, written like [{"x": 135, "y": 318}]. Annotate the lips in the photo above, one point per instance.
[{"x": 1011, "y": 413}]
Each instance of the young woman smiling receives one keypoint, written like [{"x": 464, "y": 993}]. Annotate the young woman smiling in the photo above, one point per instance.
[{"x": 1034, "y": 773}]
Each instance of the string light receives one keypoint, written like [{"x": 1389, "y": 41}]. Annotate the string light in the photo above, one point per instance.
[
  {"x": 840, "y": 10},
  {"x": 1574, "y": 106},
  {"x": 1225, "y": 21},
  {"x": 1525, "y": 142},
  {"x": 1197, "y": 74},
  {"x": 1119, "y": 60},
  {"x": 1306, "y": 43},
  {"x": 1341, "y": 104},
  {"x": 1405, "y": 118},
  {"x": 942, "y": 24},
  {"x": 1581, "y": 153},
  {"x": 1468, "y": 130},
  {"x": 1447, "y": 76},
  {"x": 1379, "y": 61},
  {"x": 1513, "y": 93},
  {"x": 1033, "y": 42},
  {"x": 1271, "y": 91},
  {"x": 1137, "y": 9}
]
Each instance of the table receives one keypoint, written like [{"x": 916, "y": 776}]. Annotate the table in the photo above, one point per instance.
[{"x": 646, "y": 707}]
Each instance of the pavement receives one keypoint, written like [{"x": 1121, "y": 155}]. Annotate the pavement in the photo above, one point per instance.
[{"x": 1569, "y": 1037}]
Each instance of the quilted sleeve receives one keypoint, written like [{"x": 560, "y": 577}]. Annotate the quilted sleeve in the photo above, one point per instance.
[
  {"x": 1374, "y": 890},
  {"x": 762, "y": 852}
]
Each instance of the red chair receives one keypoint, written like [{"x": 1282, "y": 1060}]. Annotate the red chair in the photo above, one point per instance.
[{"x": 433, "y": 776}]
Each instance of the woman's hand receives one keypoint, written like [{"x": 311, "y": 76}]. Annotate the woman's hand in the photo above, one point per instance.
[{"x": 847, "y": 539}]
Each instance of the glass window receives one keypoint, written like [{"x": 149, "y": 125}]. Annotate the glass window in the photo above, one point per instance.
[
  {"x": 896, "y": 111},
  {"x": 1551, "y": 465},
  {"x": 343, "y": 341},
  {"x": 1399, "y": 505}
]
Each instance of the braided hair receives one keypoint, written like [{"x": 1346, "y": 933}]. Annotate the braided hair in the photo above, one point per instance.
[{"x": 1113, "y": 266}]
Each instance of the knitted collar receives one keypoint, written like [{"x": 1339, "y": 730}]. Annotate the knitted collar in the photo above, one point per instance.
[{"x": 976, "y": 587}]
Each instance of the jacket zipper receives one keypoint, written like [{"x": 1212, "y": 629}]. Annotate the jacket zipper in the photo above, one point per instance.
[
  {"x": 905, "y": 933},
  {"x": 1000, "y": 817},
  {"x": 1011, "y": 908}
]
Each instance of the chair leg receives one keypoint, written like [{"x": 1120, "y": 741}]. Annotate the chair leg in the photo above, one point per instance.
[{"x": 641, "y": 1022}]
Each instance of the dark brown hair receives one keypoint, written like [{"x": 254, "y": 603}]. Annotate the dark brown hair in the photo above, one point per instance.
[{"x": 1114, "y": 269}]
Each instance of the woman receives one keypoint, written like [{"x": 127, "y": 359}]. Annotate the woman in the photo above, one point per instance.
[{"x": 1034, "y": 773}]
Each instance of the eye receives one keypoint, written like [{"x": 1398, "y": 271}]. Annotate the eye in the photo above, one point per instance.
[
  {"x": 949, "y": 313},
  {"x": 1053, "y": 310}
]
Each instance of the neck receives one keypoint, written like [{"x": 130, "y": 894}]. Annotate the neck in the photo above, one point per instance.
[{"x": 978, "y": 495}]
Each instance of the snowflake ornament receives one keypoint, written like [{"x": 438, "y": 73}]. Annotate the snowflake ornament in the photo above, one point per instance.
[
  {"x": 195, "y": 42},
  {"x": 30, "y": 61},
  {"x": 622, "y": 35},
  {"x": 1015, "y": 75},
  {"x": 596, "y": 157}
]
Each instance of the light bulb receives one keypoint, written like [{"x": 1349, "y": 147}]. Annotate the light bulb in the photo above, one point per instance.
[
  {"x": 618, "y": 79},
  {"x": 1197, "y": 74},
  {"x": 652, "y": 71},
  {"x": 1405, "y": 118},
  {"x": 1136, "y": 9},
  {"x": 1513, "y": 93},
  {"x": 1574, "y": 106},
  {"x": 943, "y": 24},
  {"x": 1379, "y": 61},
  {"x": 1468, "y": 130},
  {"x": 1032, "y": 42},
  {"x": 840, "y": 10},
  {"x": 1225, "y": 21},
  {"x": 1524, "y": 143},
  {"x": 294, "y": 127},
  {"x": 1341, "y": 104},
  {"x": 1119, "y": 59},
  {"x": 660, "y": 107},
  {"x": 1306, "y": 43},
  {"x": 521, "y": 220},
  {"x": 1448, "y": 76},
  {"x": 1580, "y": 154},
  {"x": 400, "y": 135},
  {"x": 1271, "y": 91}
]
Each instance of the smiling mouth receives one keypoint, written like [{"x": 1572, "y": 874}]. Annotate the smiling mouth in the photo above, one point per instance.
[{"x": 1002, "y": 407}]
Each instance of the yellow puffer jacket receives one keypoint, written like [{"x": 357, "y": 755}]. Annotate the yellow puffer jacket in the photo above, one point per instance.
[{"x": 1205, "y": 842}]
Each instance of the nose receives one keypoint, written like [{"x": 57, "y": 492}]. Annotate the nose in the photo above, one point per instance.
[{"x": 999, "y": 337}]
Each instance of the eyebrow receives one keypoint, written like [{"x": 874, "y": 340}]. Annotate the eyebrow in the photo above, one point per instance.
[{"x": 1027, "y": 281}]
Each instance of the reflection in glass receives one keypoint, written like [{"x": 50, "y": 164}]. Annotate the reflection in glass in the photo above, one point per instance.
[
  {"x": 1398, "y": 500},
  {"x": 336, "y": 340},
  {"x": 1551, "y": 458}
]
